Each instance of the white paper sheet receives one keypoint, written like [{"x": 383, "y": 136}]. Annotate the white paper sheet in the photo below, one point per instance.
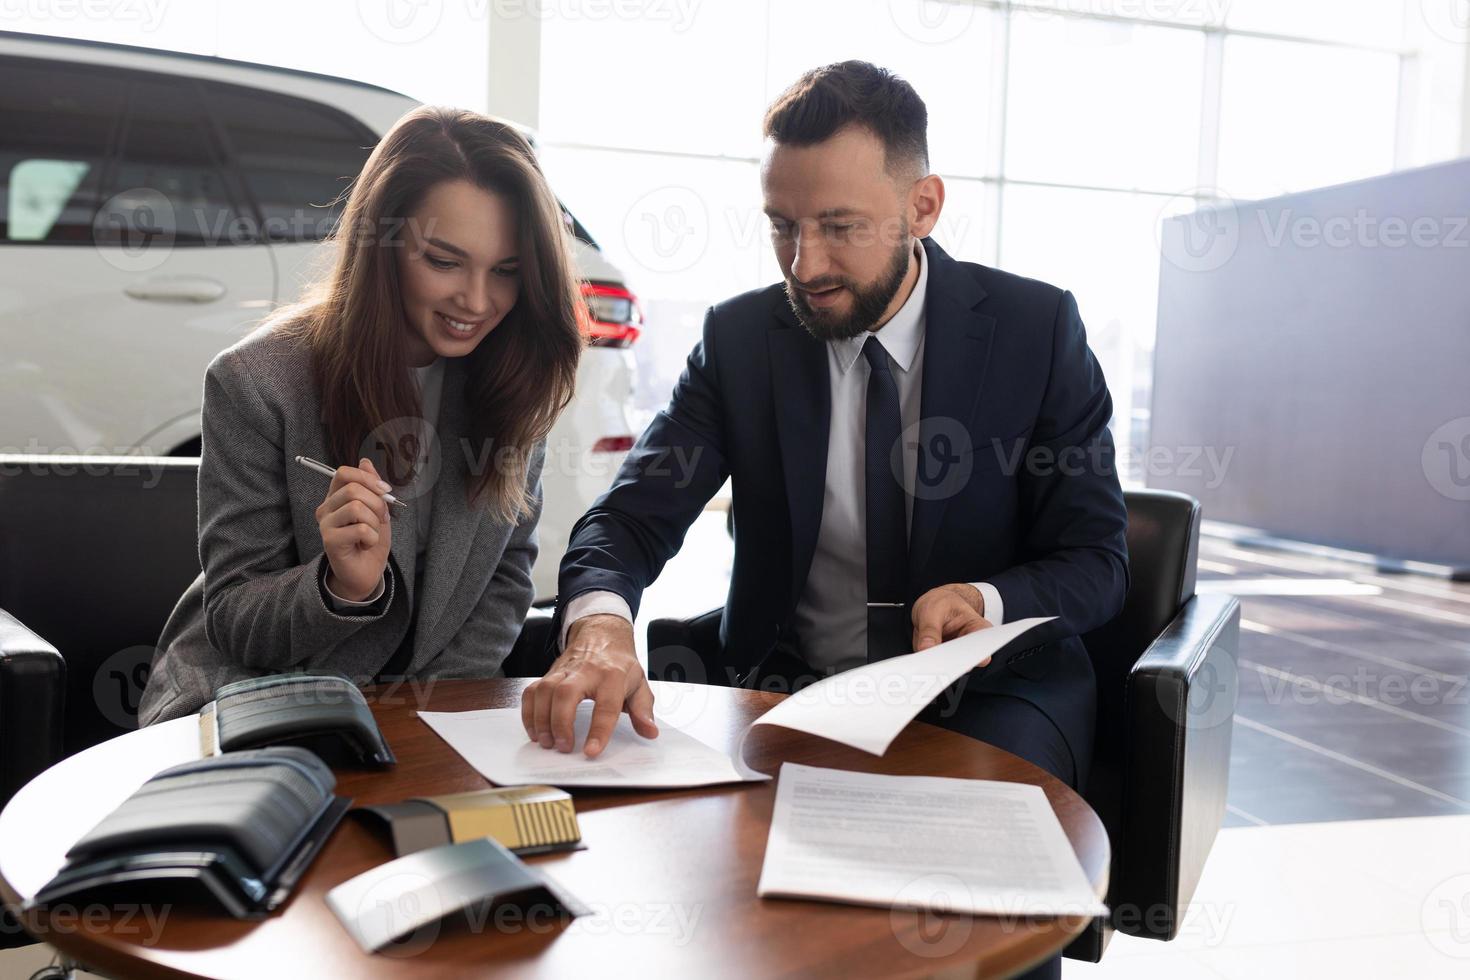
[
  {"x": 493, "y": 741},
  {"x": 960, "y": 845},
  {"x": 865, "y": 707},
  {"x": 868, "y": 706}
]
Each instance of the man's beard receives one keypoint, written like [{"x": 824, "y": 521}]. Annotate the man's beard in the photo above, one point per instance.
[{"x": 868, "y": 306}]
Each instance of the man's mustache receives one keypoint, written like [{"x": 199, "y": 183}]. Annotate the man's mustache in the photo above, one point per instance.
[{"x": 816, "y": 285}]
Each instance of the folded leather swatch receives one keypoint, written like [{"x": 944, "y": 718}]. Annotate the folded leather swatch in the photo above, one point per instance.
[
  {"x": 525, "y": 819},
  {"x": 409, "y": 899},
  {"x": 323, "y": 712},
  {"x": 238, "y": 829}
]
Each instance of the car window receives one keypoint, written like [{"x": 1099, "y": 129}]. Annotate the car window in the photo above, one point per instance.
[
  {"x": 296, "y": 157},
  {"x": 166, "y": 181},
  {"x": 58, "y": 124}
]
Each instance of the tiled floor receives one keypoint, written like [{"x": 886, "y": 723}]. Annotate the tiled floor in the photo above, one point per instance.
[{"x": 1355, "y": 702}]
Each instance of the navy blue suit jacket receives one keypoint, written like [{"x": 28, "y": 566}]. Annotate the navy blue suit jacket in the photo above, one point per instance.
[{"x": 1017, "y": 480}]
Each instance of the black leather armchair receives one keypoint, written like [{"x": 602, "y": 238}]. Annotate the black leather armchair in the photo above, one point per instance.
[
  {"x": 94, "y": 554},
  {"x": 1166, "y": 699},
  {"x": 32, "y": 694}
]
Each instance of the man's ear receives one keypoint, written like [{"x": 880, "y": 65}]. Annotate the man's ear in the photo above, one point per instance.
[{"x": 926, "y": 201}]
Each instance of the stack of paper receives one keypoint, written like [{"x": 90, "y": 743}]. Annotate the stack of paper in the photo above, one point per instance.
[{"x": 957, "y": 845}]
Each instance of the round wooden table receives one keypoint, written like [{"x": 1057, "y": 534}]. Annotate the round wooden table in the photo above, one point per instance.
[{"x": 671, "y": 875}]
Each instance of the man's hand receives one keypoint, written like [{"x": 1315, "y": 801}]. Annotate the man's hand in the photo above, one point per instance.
[
  {"x": 947, "y": 612},
  {"x": 600, "y": 663}
]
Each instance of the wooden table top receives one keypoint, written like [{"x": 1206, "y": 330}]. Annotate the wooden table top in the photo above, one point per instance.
[{"x": 670, "y": 875}]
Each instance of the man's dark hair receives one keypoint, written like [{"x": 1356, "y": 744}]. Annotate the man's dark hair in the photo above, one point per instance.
[{"x": 826, "y": 99}]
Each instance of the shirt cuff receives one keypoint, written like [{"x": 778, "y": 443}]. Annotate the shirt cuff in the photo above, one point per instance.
[
  {"x": 592, "y": 604},
  {"x": 995, "y": 609},
  {"x": 339, "y": 603}
]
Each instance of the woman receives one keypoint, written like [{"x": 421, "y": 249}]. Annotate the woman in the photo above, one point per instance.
[{"x": 431, "y": 361}]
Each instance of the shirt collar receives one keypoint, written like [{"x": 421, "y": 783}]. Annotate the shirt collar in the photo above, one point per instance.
[{"x": 900, "y": 336}]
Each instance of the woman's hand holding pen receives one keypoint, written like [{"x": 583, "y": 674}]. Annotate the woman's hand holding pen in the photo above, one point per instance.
[{"x": 356, "y": 529}]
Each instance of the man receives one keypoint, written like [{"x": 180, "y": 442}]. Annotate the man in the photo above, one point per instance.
[{"x": 918, "y": 449}]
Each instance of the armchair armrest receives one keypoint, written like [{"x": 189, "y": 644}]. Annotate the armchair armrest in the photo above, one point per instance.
[
  {"x": 32, "y": 698},
  {"x": 533, "y": 652},
  {"x": 1180, "y": 706},
  {"x": 688, "y": 650}
]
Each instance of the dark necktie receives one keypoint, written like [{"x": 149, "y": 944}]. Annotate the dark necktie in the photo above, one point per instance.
[{"x": 889, "y": 631}]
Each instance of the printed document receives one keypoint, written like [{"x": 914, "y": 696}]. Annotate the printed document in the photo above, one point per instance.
[{"x": 957, "y": 845}]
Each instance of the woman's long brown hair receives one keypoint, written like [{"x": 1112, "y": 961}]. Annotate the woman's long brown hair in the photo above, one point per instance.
[{"x": 519, "y": 378}]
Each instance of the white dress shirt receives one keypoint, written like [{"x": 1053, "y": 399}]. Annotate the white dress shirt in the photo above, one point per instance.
[{"x": 831, "y": 618}]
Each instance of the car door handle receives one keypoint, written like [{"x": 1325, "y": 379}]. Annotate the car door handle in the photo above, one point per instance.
[{"x": 177, "y": 289}]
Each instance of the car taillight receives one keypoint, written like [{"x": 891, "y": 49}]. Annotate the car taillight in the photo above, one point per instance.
[
  {"x": 614, "y": 318},
  {"x": 613, "y": 444}
]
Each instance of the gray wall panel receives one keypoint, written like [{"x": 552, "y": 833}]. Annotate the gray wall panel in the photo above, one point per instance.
[{"x": 1322, "y": 339}]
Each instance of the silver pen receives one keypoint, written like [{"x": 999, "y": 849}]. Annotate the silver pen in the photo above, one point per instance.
[
  {"x": 885, "y": 605},
  {"x": 326, "y": 470}
]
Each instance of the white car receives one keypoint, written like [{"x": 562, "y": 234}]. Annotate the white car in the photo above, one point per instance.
[{"x": 155, "y": 206}]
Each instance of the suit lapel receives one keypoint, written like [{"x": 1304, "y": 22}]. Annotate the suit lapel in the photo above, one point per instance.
[
  {"x": 803, "y": 397},
  {"x": 956, "y": 349}
]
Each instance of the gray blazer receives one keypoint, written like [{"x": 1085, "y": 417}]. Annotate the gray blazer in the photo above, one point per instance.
[{"x": 258, "y": 608}]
